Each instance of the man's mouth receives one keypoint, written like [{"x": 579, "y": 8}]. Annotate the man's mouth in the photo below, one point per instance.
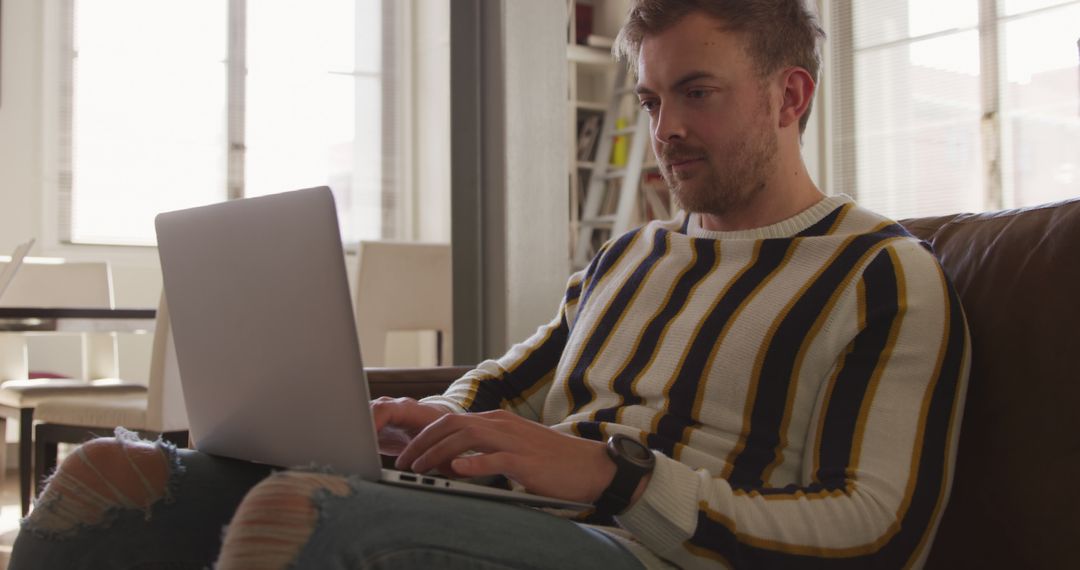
[{"x": 676, "y": 163}]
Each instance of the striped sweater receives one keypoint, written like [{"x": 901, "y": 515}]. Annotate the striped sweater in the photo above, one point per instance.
[{"x": 802, "y": 385}]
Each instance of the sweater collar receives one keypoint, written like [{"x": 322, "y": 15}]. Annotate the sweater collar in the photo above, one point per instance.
[{"x": 782, "y": 229}]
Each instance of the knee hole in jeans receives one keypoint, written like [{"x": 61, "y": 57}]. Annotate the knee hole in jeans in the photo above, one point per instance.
[
  {"x": 101, "y": 477},
  {"x": 276, "y": 519}
]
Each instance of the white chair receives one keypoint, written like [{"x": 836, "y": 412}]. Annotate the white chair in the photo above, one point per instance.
[
  {"x": 64, "y": 285},
  {"x": 158, "y": 412},
  {"x": 403, "y": 287}
]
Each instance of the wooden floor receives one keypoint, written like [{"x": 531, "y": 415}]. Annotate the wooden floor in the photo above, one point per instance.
[{"x": 9, "y": 514}]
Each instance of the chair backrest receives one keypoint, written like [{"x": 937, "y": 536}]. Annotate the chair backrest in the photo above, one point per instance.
[
  {"x": 403, "y": 287},
  {"x": 56, "y": 284},
  {"x": 1018, "y": 276},
  {"x": 165, "y": 408},
  {"x": 81, "y": 284}
]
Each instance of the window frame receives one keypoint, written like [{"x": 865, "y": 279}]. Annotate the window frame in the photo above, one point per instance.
[
  {"x": 838, "y": 155},
  {"x": 57, "y": 121}
]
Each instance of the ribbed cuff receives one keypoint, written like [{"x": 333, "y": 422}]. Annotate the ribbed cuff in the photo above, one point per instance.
[{"x": 666, "y": 513}]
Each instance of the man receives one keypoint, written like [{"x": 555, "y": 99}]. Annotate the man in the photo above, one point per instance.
[
  {"x": 773, "y": 380},
  {"x": 796, "y": 365}
]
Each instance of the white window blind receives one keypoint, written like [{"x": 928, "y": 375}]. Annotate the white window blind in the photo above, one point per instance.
[
  {"x": 966, "y": 105},
  {"x": 178, "y": 103}
]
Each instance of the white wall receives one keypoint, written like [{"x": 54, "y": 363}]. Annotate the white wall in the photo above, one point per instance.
[
  {"x": 431, "y": 120},
  {"x": 20, "y": 119}
]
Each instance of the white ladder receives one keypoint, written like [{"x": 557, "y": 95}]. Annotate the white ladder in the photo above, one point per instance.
[{"x": 604, "y": 174}]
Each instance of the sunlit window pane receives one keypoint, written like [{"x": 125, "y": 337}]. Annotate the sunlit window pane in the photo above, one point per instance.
[
  {"x": 313, "y": 105},
  {"x": 1040, "y": 106},
  {"x": 880, "y": 22},
  {"x": 148, "y": 125},
  {"x": 917, "y": 127},
  {"x": 1013, "y": 7}
]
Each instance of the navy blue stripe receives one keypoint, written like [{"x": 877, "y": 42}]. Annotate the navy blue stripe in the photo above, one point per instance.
[
  {"x": 606, "y": 260},
  {"x": 589, "y": 430},
  {"x": 898, "y": 551},
  {"x": 852, "y": 381},
  {"x": 777, "y": 370},
  {"x": 934, "y": 454},
  {"x": 660, "y": 442},
  {"x": 572, "y": 293},
  {"x": 822, "y": 226},
  {"x": 650, "y": 338},
  {"x": 685, "y": 229},
  {"x": 580, "y": 393},
  {"x": 683, "y": 393},
  {"x": 491, "y": 393}
]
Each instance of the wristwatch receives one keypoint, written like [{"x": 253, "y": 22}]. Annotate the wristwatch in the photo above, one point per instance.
[{"x": 632, "y": 462}]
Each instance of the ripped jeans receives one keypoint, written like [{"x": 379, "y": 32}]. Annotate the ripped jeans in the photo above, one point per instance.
[{"x": 125, "y": 503}]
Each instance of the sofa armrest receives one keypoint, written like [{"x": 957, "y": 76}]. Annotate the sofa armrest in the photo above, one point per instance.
[{"x": 412, "y": 382}]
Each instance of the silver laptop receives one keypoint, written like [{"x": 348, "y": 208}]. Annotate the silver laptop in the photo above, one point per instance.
[{"x": 266, "y": 342}]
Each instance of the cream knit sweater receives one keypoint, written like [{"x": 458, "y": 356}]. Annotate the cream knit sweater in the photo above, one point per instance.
[{"x": 802, "y": 385}]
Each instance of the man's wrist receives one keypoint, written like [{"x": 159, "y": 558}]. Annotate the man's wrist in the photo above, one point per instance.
[{"x": 633, "y": 463}]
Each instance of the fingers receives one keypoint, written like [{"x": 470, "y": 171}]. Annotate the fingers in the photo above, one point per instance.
[
  {"x": 499, "y": 463},
  {"x": 397, "y": 420},
  {"x": 443, "y": 441},
  {"x": 384, "y": 410},
  {"x": 405, "y": 413}
]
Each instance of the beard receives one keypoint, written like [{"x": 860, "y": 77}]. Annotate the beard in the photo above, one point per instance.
[{"x": 733, "y": 175}]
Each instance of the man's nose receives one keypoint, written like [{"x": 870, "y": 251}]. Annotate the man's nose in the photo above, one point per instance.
[{"x": 668, "y": 125}]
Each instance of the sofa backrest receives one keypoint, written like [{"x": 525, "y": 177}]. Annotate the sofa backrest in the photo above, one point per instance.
[{"x": 1016, "y": 490}]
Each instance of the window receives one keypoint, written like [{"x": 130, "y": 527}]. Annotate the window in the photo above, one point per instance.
[
  {"x": 167, "y": 104},
  {"x": 966, "y": 105}
]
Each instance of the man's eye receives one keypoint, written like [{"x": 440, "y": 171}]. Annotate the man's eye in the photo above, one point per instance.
[
  {"x": 649, "y": 105},
  {"x": 697, "y": 93}
]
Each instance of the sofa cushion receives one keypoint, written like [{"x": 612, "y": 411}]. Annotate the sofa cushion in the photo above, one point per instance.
[{"x": 1014, "y": 501}]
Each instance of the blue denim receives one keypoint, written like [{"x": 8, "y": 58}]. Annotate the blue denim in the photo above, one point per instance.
[
  {"x": 183, "y": 532},
  {"x": 407, "y": 528},
  {"x": 375, "y": 526}
]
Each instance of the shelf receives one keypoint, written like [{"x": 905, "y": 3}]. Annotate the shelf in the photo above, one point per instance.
[
  {"x": 591, "y": 106},
  {"x": 589, "y": 55}
]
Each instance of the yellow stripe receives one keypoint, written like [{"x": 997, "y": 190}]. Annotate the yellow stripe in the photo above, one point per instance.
[
  {"x": 883, "y": 360},
  {"x": 585, "y": 339},
  {"x": 814, "y": 329},
  {"x": 618, "y": 322},
  {"x": 653, "y": 317},
  {"x": 706, "y": 553},
  {"x": 816, "y": 466},
  {"x": 953, "y": 424},
  {"x": 474, "y": 383},
  {"x": 844, "y": 210},
  {"x": 924, "y": 411},
  {"x": 759, "y": 360},
  {"x": 699, "y": 397}
]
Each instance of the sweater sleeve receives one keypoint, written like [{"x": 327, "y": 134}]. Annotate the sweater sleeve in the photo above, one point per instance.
[
  {"x": 519, "y": 380},
  {"x": 878, "y": 458}
]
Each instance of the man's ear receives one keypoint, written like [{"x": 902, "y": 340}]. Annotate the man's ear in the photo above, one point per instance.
[{"x": 798, "y": 88}]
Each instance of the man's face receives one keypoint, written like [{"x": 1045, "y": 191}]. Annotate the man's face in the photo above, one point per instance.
[{"x": 714, "y": 130}]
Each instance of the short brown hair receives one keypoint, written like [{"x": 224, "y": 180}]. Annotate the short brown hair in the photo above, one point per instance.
[{"x": 778, "y": 32}]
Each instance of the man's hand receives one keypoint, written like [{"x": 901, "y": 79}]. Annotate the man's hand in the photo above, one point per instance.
[
  {"x": 545, "y": 461},
  {"x": 398, "y": 420}
]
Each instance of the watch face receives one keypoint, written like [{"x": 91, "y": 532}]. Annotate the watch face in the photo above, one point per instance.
[{"x": 632, "y": 450}]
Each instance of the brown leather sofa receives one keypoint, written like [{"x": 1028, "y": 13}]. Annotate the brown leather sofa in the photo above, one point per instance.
[{"x": 1016, "y": 491}]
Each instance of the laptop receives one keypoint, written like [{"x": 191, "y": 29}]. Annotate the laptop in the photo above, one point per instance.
[
  {"x": 269, "y": 360},
  {"x": 7, "y": 274}
]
